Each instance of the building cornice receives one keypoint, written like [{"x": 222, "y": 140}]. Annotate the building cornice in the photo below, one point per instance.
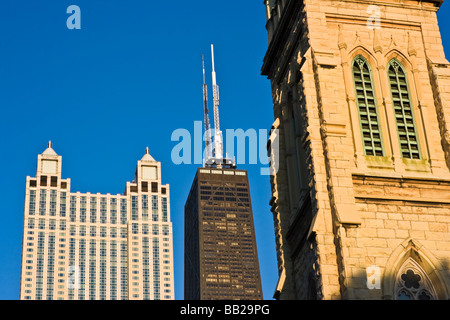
[
  {"x": 281, "y": 36},
  {"x": 288, "y": 16}
]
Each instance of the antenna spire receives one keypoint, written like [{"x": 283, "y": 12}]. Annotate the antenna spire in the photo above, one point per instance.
[
  {"x": 208, "y": 141},
  {"x": 213, "y": 158},
  {"x": 218, "y": 144}
]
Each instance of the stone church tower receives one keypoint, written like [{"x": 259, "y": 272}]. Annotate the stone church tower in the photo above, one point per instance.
[{"x": 361, "y": 197}]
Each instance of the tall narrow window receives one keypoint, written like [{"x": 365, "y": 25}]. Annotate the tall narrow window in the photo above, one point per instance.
[
  {"x": 398, "y": 82},
  {"x": 367, "y": 108}
]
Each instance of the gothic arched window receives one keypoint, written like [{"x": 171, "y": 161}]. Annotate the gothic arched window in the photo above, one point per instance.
[
  {"x": 367, "y": 108},
  {"x": 403, "y": 110},
  {"x": 412, "y": 283}
]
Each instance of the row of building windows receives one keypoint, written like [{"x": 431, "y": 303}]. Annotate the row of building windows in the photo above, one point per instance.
[
  {"x": 145, "y": 187},
  {"x": 94, "y": 231},
  {"x": 116, "y": 207},
  {"x": 52, "y": 181},
  {"x": 44, "y": 182}
]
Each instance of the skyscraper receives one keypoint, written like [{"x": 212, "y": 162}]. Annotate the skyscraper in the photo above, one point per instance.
[
  {"x": 83, "y": 246},
  {"x": 221, "y": 260}
]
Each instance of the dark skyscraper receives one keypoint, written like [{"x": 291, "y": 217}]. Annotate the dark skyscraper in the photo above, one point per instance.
[
  {"x": 220, "y": 256},
  {"x": 221, "y": 260}
]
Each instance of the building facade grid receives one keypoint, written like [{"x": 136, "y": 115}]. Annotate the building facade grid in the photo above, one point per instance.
[{"x": 80, "y": 246}]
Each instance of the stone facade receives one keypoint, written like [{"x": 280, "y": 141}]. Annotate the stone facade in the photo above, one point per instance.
[{"x": 351, "y": 224}]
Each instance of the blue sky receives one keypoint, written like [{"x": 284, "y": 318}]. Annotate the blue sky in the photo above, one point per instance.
[{"x": 129, "y": 78}]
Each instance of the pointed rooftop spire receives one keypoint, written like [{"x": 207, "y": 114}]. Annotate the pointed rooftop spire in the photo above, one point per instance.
[
  {"x": 147, "y": 156},
  {"x": 49, "y": 151}
]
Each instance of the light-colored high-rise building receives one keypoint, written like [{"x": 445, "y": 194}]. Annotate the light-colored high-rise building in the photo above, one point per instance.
[{"x": 92, "y": 246}]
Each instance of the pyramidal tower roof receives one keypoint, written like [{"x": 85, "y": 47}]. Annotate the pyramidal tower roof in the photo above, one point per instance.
[
  {"x": 49, "y": 151},
  {"x": 147, "y": 156}
]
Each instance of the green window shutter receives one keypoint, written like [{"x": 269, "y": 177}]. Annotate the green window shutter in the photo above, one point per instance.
[
  {"x": 403, "y": 110},
  {"x": 367, "y": 108}
]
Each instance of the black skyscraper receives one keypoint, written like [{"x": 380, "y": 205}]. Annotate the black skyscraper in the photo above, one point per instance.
[{"x": 221, "y": 260}]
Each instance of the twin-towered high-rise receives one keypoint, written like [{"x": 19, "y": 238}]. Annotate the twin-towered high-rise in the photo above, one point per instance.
[{"x": 86, "y": 246}]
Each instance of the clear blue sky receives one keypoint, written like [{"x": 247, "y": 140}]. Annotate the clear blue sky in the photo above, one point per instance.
[{"x": 126, "y": 80}]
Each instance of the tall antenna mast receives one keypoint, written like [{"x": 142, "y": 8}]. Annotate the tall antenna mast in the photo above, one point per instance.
[
  {"x": 213, "y": 158},
  {"x": 208, "y": 141},
  {"x": 218, "y": 144}
]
